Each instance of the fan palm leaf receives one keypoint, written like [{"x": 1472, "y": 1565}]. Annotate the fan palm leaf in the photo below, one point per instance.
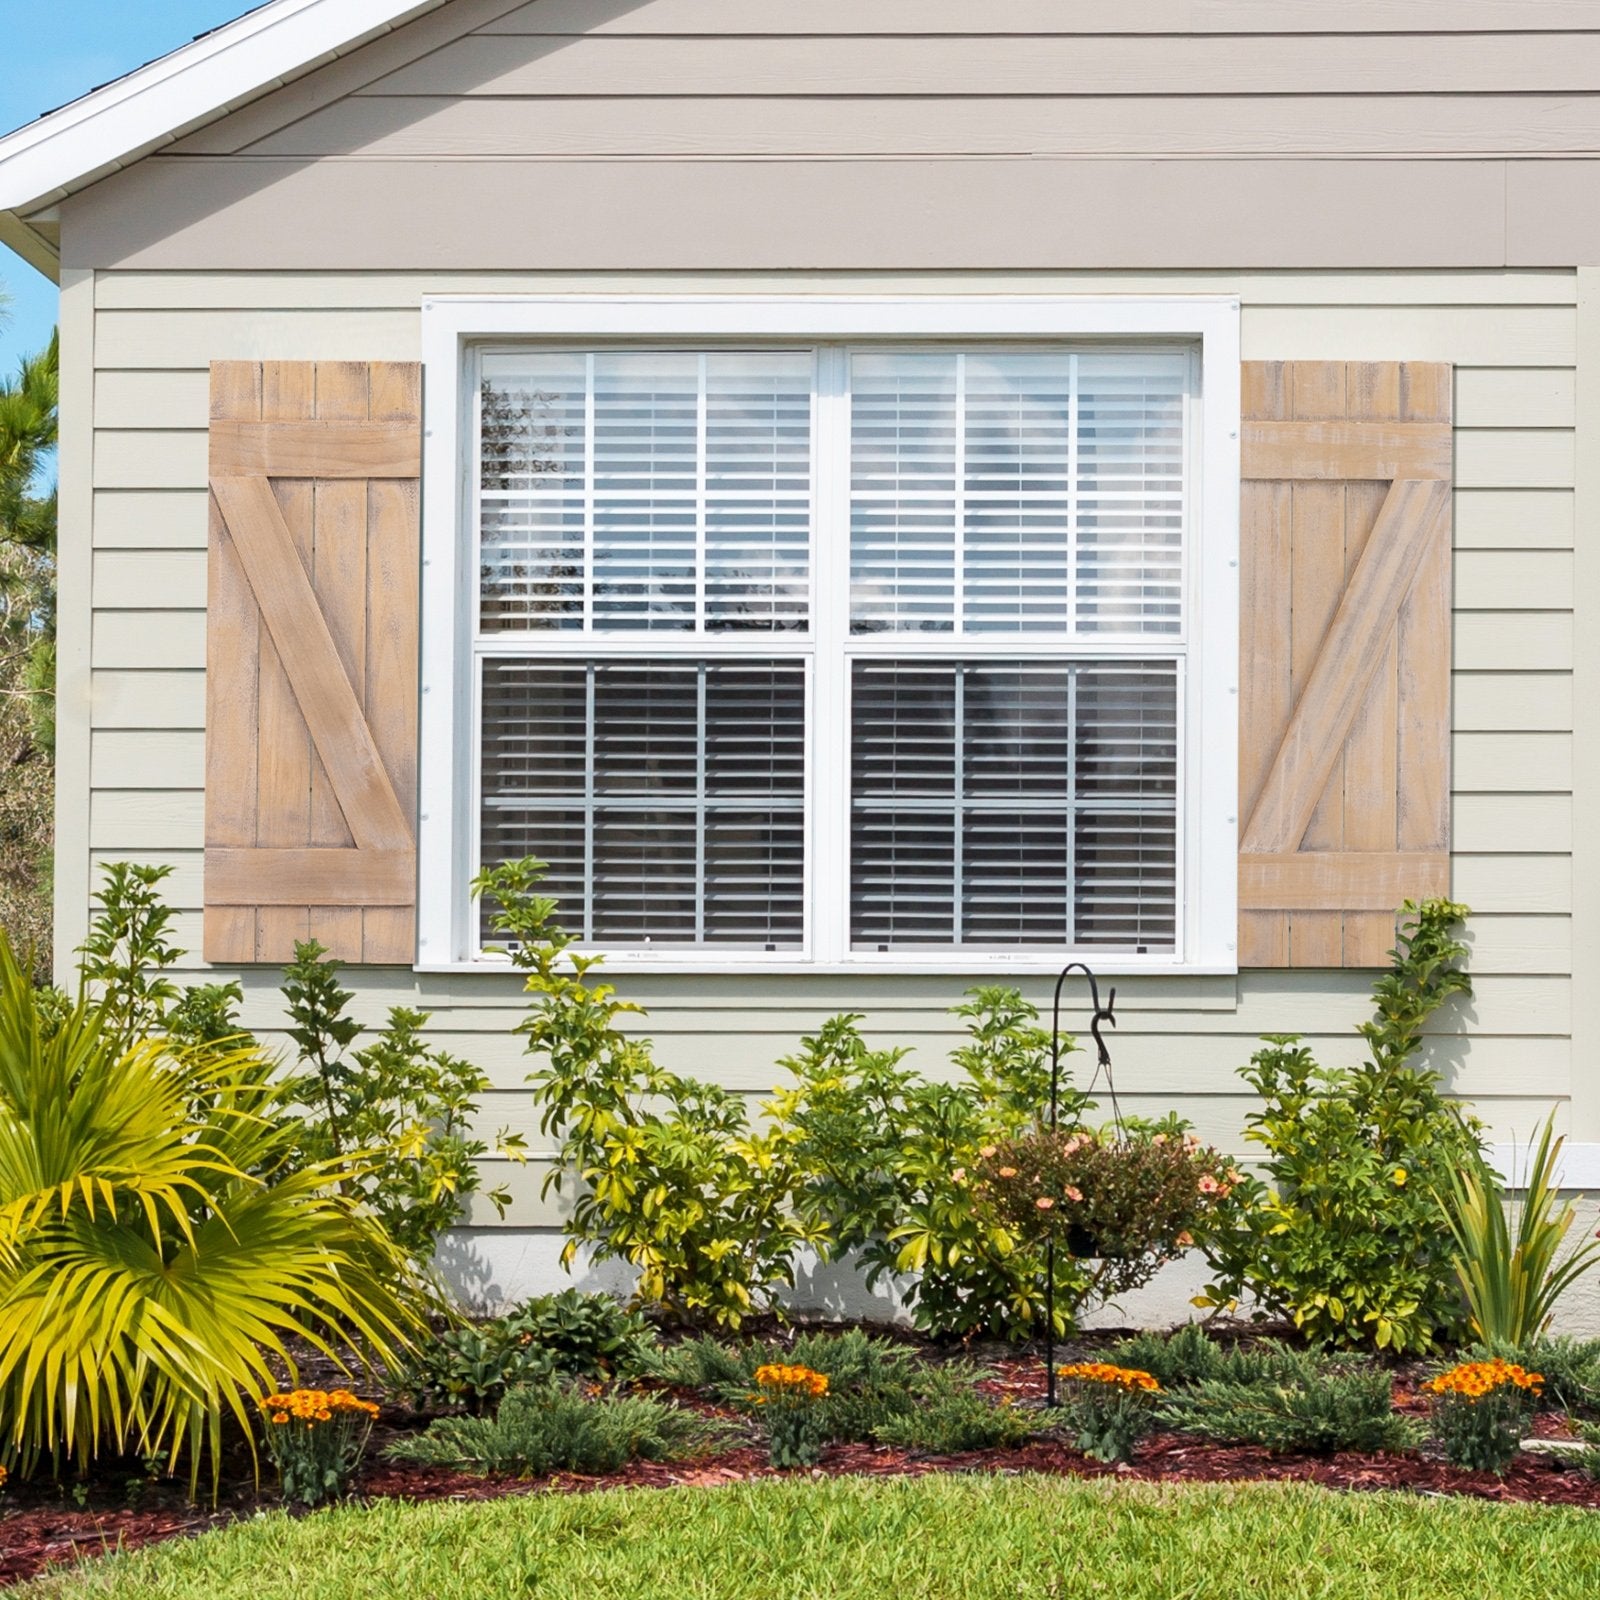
[{"x": 158, "y": 1248}]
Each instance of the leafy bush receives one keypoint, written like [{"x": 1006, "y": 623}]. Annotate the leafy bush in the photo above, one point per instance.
[
  {"x": 1293, "y": 1402},
  {"x": 1481, "y": 1410},
  {"x": 1126, "y": 1204},
  {"x": 952, "y": 1423},
  {"x": 1186, "y": 1355},
  {"x": 887, "y": 1154},
  {"x": 581, "y": 1335},
  {"x": 404, "y": 1103},
  {"x": 157, "y": 1244},
  {"x": 557, "y": 1427},
  {"x": 316, "y": 1439},
  {"x": 673, "y": 1178},
  {"x": 1110, "y": 1408},
  {"x": 1349, "y": 1239},
  {"x": 1511, "y": 1282}
]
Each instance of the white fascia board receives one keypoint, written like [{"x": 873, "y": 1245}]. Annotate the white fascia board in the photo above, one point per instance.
[{"x": 70, "y": 148}]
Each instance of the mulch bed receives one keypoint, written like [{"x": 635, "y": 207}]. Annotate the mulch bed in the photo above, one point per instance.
[{"x": 36, "y": 1532}]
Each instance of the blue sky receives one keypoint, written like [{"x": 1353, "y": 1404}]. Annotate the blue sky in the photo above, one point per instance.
[{"x": 53, "y": 51}]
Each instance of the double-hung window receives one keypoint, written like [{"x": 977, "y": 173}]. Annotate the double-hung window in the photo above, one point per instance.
[{"x": 839, "y": 648}]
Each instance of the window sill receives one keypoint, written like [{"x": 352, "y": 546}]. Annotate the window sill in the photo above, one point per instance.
[{"x": 884, "y": 966}]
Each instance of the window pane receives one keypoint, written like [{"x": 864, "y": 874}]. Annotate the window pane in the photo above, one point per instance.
[
  {"x": 1014, "y": 803},
  {"x": 646, "y": 490},
  {"x": 667, "y": 795},
  {"x": 1035, "y": 492}
]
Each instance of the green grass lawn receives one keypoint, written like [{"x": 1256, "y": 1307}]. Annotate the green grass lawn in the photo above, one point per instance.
[{"x": 937, "y": 1538}]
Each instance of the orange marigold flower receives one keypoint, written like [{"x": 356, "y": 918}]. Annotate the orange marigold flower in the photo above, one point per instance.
[{"x": 1132, "y": 1379}]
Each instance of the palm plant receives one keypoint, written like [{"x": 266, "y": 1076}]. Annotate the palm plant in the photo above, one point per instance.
[
  {"x": 1512, "y": 1279},
  {"x": 157, "y": 1247}
]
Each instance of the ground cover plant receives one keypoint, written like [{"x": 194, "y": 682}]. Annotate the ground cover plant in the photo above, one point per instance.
[
  {"x": 561, "y": 1426},
  {"x": 988, "y": 1538}
]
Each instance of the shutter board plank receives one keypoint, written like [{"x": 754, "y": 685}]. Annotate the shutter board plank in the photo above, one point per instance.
[
  {"x": 1361, "y": 759},
  {"x": 1324, "y": 881},
  {"x": 232, "y": 683},
  {"x": 360, "y": 450},
  {"x": 343, "y": 880},
  {"x": 286, "y": 758},
  {"x": 1345, "y": 450},
  {"x": 289, "y": 609},
  {"x": 321, "y": 842},
  {"x": 339, "y": 578},
  {"x": 1411, "y": 516}
]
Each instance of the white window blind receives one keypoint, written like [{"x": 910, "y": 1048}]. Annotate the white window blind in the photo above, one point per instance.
[
  {"x": 667, "y": 796},
  {"x": 837, "y": 653},
  {"x": 1018, "y": 803},
  {"x": 645, "y": 491},
  {"x": 1017, "y": 492}
]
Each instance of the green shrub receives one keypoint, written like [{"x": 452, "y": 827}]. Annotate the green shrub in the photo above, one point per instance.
[
  {"x": 1512, "y": 1281},
  {"x": 1348, "y": 1239},
  {"x": 404, "y": 1104},
  {"x": 589, "y": 1335},
  {"x": 1296, "y": 1403},
  {"x": 556, "y": 1427},
  {"x": 158, "y": 1245},
  {"x": 668, "y": 1174},
  {"x": 887, "y": 1155},
  {"x": 1584, "y": 1454},
  {"x": 471, "y": 1367},
  {"x": 1186, "y": 1355},
  {"x": 952, "y": 1423}
]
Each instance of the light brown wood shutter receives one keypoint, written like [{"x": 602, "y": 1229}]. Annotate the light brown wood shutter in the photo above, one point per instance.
[
  {"x": 311, "y": 660},
  {"x": 1345, "y": 643}
]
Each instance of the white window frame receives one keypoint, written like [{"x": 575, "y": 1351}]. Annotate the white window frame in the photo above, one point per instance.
[{"x": 454, "y": 326}]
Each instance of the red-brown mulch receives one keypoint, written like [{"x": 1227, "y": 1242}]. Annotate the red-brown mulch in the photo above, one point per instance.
[{"x": 33, "y": 1536}]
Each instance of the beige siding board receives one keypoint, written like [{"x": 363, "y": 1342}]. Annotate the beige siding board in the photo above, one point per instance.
[
  {"x": 1515, "y": 458},
  {"x": 193, "y": 338},
  {"x": 1516, "y": 885},
  {"x": 151, "y": 518},
  {"x": 805, "y": 214},
  {"x": 1535, "y": 823},
  {"x": 1513, "y": 580},
  {"x": 181, "y": 890},
  {"x": 1507, "y": 336},
  {"x": 145, "y": 818},
  {"x": 1491, "y": 702},
  {"x": 386, "y": 290},
  {"x": 1511, "y": 762},
  {"x": 152, "y": 459},
  {"x": 1514, "y": 519},
  {"x": 148, "y": 700},
  {"x": 147, "y": 757},
  {"x": 144, "y": 399},
  {"x": 421, "y": 127},
  {"x": 987, "y": 64},
  {"x": 1520, "y": 944},
  {"x": 1039, "y": 17},
  {"x": 1505, "y": 641},
  {"x": 1515, "y": 397},
  {"x": 149, "y": 639},
  {"x": 158, "y": 579}
]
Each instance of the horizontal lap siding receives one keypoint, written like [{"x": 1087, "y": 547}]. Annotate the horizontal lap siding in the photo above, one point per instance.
[{"x": 1512, "y": 337}]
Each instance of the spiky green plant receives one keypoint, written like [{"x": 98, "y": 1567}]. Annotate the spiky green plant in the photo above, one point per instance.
[
  {"x": 1512, "y": 1278},
  {"x": 157, "y": 1249}
]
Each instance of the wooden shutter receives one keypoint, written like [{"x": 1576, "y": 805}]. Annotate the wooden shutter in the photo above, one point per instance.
[
  {"x": 1345, "y": 639},
  {"x": 311, "y": 660}
]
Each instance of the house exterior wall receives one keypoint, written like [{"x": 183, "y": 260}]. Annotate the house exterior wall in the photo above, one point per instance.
[{"x": 1371, "y": 222}]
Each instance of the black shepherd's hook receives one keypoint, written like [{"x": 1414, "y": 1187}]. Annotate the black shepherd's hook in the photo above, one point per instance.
[{"x": 1102, "y": 1014}]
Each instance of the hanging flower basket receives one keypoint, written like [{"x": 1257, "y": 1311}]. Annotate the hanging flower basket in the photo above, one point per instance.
[{"x": 1128, "y": 1201}]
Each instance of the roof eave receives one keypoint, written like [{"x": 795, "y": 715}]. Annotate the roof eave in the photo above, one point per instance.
[{"x": 86, "y": 140}]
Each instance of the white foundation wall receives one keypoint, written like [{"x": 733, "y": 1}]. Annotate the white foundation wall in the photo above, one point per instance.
[{"x": 133, "y": 628}]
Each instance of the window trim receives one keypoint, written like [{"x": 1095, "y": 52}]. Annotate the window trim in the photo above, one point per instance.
[{"x": 453, "y": 326}]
